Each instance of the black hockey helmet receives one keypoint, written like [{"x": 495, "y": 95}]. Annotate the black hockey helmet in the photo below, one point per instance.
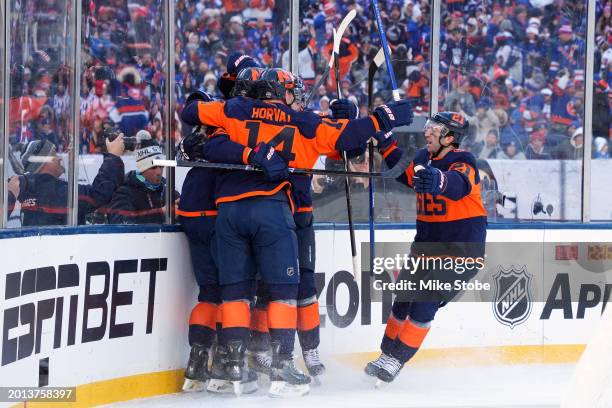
[
  {"x": 275, "y": 82},
  {"x": 450, "y": 124},
  {"x": 246, "y": 80},
  {"x": 198, "y": 96}
]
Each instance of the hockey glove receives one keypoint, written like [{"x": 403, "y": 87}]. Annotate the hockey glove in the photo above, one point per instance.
[
  {"x": 268, "y": 159},
  {"x": 343, "y": 109},
  {"x": 430, "y": 180},
  {"x": 393, "y": 114},
  {"x": 190, "y": 147},
  {"x": 384, "y": 140}
]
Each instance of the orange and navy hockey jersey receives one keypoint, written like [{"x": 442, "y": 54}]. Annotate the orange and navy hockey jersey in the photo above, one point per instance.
[
  {"x": 456, "y": 215},
  {"x": 299, "y": 137}
]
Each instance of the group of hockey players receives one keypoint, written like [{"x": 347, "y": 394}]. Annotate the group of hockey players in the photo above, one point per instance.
[{"x": 251, "y": 233}]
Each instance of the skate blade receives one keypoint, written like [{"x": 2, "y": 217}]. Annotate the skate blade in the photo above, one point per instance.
[
  {"x": 227, "y": 387},
  {"x": 237, "y": 389},
  {"x": 316, "y": 380},
  {"x": 282, "y": 389},
  {"x": 193, "y": 385}
]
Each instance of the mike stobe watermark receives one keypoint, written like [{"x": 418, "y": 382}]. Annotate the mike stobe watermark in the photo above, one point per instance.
[{"x": 432, "y": 285}]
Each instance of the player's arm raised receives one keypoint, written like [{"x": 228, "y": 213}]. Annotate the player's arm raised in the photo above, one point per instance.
[{"x": 347, "y": 135}]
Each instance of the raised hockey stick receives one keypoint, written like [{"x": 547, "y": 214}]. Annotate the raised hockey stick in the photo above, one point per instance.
[
  {"x": 339, "y": 32},
  {"x": 376, "y": 62},
  {"x": 392, "y": 173},
  {"x": 347, "y": 184},
  {"x": 385, "y": 47}
]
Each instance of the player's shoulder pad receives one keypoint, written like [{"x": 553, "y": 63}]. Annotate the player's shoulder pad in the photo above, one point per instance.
[
  {"x": 307, "y": 123},
  {"x": 239, "y": 107},
  {"x": 462, "y": 156}
]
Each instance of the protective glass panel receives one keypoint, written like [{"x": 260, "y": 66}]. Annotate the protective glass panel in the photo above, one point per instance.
[
  {"x": 601, "y": 166},
  {"x": 408, "y": 33},
  {"x": 122, "y": 98},
  {"x": 516, "y": 71},
  {"x": 209, "y": 32},
  {"x": 40, "y": 132}
]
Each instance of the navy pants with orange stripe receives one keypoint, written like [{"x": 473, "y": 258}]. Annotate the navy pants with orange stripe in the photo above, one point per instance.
[
  {"x": 258, "y": 235},
  {"x": 204, "y": 316}
]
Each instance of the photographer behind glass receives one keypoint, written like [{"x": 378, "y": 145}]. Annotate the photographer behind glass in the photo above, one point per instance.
[{"x": 44, "y": 195}]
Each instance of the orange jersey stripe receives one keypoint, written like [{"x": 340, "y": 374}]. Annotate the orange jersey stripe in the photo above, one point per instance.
[{"x": 253, "y": 194}]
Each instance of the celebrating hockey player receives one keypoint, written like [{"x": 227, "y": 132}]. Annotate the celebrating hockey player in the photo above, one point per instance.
[
  {"x": 255, "y": 226},
  {"x": 449, "y": 211},
  {"x": 197, "y": 214}
]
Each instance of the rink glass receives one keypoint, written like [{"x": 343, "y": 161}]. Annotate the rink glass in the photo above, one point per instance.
[{"x": 39, "y": 88}]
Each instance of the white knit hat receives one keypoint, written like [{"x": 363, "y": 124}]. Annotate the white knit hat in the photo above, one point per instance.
[{"x": 146, "y": 155}]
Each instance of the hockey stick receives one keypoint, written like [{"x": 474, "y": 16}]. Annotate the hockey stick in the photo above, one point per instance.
[
  {"x": 347, "y": 184},
  {"x": 392, "y": 173},
  {"x": 385, "y": 47},
  {"x": 339, "y": 32},
  {"x": 375, "y": 63}
]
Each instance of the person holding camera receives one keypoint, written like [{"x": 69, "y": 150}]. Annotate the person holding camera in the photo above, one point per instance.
[
  {"x": 44, "y": 195},
  {"x": 140, "y": 200}
]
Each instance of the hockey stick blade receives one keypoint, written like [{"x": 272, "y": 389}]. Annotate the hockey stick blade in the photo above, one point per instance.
[
  {"x": 394, "y": 172},
  {"x": 339, "y": 33}
]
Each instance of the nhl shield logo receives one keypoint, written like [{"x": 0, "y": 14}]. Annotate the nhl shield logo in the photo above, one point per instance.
[{"x": 512, "y": 303}]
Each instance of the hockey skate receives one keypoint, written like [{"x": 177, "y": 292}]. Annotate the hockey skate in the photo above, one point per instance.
[
  {"x": 196, "y": 373},
  {"x": 385, "y": 368},
  {"x": 312, "y": 360},
  {"x": 229, "y": 374},
  {"x": 286, "y": 380},
  {"x": 260, "y": 361}
]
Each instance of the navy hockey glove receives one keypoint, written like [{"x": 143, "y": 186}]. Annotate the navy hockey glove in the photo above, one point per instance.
[
  {"x": 272, "y": 164},
  {"x": 429, "y": 180},
  {"x": 190, "y": 147},
  {"x": 393, "y": 114},
  {"x": 343, "y": 109},
  {"x": 384, "y": 140}
]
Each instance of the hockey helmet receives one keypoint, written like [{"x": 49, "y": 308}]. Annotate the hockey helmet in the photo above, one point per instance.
[
  {"x": 275, "y": 82},
  {"x": 198, "y": 96},
  {"x": 246, "y": 80},
  {"x": 450, "y": 124}
]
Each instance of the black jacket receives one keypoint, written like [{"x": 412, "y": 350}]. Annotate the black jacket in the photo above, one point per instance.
[
  {"x": 134, "y": 203},
  {"x": 44, "y": 198}
]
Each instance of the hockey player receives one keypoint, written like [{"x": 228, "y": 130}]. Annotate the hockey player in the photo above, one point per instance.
[
  {"x": 269, "y": 129},
  {"x": 197, "y": 214},
  {"x": 449, "y": 211},
  {"x": 308, "y": 318}
]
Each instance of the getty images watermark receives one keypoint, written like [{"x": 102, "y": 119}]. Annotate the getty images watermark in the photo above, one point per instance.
[{"x": 429, "y": 273}]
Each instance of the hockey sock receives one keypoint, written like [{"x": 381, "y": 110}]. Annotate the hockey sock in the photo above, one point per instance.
[
  {"x": 203, "y": 324},
  {"x": 282, "y": 315},
  {"x": 308, "y": 319},
  {"x": 236, "y": 313},
  {"x": 414, "y": 330},
  {"x": 260, "y": 335},
  {"x": 399, "y": 311}
]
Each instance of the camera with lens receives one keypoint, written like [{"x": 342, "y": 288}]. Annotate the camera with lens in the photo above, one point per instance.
[{"x": 111, "y": 132}]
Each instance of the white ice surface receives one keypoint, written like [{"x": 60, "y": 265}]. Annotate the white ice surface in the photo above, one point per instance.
[{"x": 518, "y": 386}]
